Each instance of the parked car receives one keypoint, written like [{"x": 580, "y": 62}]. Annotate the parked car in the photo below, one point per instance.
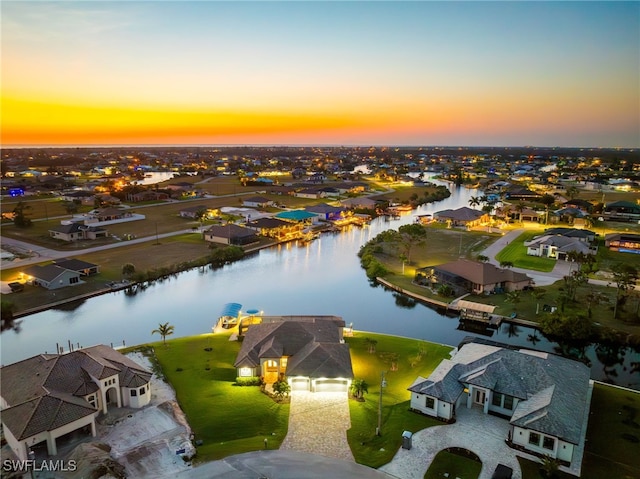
[{"x": 16, "y": 287}]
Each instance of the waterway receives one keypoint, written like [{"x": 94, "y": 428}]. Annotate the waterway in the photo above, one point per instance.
[{"x": 323, "y": 277}]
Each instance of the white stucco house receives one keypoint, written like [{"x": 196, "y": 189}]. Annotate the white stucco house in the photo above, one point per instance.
[
  {"x": 46, "y": 397},
  {"x": 544, "y": 397}
]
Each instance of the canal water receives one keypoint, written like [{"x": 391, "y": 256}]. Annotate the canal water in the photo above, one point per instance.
[{"x": 322, "y": 277}]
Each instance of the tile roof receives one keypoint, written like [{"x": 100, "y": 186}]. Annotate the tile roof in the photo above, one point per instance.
[
  {"x": 552, "y": 389},
  {"x": 47, "y": 391}
]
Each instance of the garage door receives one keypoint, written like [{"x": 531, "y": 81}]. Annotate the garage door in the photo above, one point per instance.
[
  {"x": 331, "y": 385},
  {"x": 300, "y": 384}
]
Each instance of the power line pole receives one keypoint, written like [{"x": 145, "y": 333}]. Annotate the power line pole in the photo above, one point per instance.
[{"x": 383, "y": 384}]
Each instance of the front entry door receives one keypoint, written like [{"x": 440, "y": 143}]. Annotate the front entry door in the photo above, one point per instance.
[{"x": 479, "y": 396}]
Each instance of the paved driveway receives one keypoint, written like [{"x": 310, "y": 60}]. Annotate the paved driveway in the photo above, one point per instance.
[
  {"x": 318, "y": 424},
  {"x": 480, "y": 433}
]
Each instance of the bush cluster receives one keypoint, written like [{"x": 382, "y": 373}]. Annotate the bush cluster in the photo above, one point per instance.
[{"x": 249, "y": 381}]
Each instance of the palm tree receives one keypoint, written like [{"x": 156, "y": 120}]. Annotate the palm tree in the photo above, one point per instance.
[
  {"x": 474, "y": 201},
  {"x": 520, "y": 208},
  {"x": 514, "y": 298},
  {"x": 506, "y": 264},
  {"x": 371, "y": 345},
  {"x": 538, "y": 294},
  {"x": 358, "y": 388},
  {"x": 482, "y": 258},
  {"x": 164, "y": 330}
]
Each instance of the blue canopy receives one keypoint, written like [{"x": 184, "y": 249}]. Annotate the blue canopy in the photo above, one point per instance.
[
  {"x": 231, "y": 310},
  {"x": 253, "y": 311}
]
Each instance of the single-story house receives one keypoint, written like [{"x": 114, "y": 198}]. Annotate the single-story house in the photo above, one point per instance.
[
  {"x": 111, "y": 214},
  {"x": 193, "y": 212},
  {"x": 519, "y": 193},
  {"x": 528, "y": 214},
  {"x": 257, "y": 202},
  {"x": 557, "y": 247},
  {"x": 544, "y": 397},
  {"x": 51, "y": 276},
  {"x": 147, "y": 195},
  {"x": 362, "y": 202},
  {"x": 462, "y": 217},
  {"x": 621, "y": 211},
  {"x": 81, "y": 196},
  {"x": 309, "y": 351},
  {"x": 586, "y": 236},
  {"x": 83, "y": 267},
  {"x": 326, "y": 212},
  {"x": 312, "y": 193},
  {"x": 298, "y": 216},
  {"x": 77, "y": 231},
  {"x": 466, "y": 276},
  {"x": 50, "y": 395},
  {"x": 557, "y": 243},
  {"x": 230, "y": 234},
  {"x": 278, "y": 229},
  {"x": 623, "y": 242}
]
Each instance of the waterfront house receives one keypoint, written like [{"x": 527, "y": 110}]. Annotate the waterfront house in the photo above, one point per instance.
[
  {"x": 466, "y": 276},
  {"x": 230, "y": 234},
  {"x": 462, "y": 217},
  {"x": 544, "y": 397},
  {"x": 84, "y": 268},
  {"x": 298, "y": 216},
  {"x": 51, "y": 276},
  {"x": 326, "y": 212},
  {"x": 308, "y": 350},
  {"x": 48, "y": 396},
  {"x": 623, "y": 242},
  {"x": 278, "y": 229}
]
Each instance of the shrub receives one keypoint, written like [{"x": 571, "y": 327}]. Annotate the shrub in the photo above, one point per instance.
[{"x": 249, "y": 381}]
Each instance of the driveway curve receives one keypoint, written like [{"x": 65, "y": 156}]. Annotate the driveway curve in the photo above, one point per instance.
[{"x": 480, "y": 433}]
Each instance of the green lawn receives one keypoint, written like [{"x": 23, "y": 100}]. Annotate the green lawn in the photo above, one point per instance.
[
  {"x": 516, "y": 253},
  {"x": 228, "y": 419},
  {"x": 614, "y": 423},
  {"x": 455, "y": 465},
  {"x": 367, "y": 448}
]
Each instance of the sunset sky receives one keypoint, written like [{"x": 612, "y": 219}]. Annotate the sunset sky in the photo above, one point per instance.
[{"x": 321, "y": 73}]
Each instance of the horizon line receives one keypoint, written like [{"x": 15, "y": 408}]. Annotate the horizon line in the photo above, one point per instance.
[{"x": 301, "y": 145}]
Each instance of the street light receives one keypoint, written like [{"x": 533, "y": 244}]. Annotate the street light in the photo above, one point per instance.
[{"x": 383, "y": 384}]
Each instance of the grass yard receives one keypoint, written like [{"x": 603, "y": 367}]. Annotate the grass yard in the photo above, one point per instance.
[
  {"x": 455, "y": 465},
  {"x": 228, "y": 419},
  {"x": 613, "y": 435},
  {"x": 415, "y": 357},
  {"x": 516, "y": 253}
]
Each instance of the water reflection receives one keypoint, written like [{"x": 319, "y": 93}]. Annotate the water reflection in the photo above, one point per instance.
[{"x": 321, "y": 277}]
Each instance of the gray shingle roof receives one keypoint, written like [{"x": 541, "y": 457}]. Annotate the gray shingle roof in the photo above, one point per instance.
[
  {"x": 313, "y": 347},
  {"x": 552, "y": 389}
]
